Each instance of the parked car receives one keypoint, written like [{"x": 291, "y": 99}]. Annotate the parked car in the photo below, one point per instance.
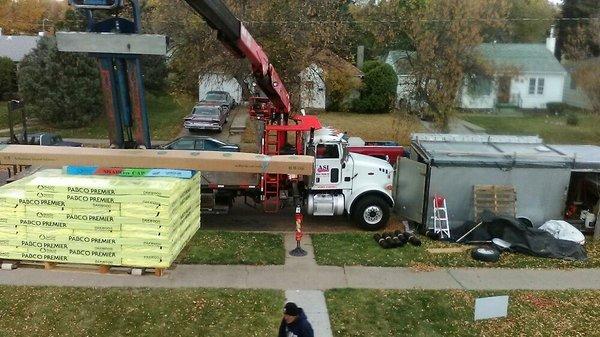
[
  {"x": 206, "y": 118},
  {"x": 48, "y": 139},
  {"x": 200, "y": 143},
  {"x": 219, "y": 98}
]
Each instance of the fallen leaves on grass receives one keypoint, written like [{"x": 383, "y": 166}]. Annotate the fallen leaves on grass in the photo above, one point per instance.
[
  {"x": 539, "y": 302},
  {"x": 422, "y": 267}
]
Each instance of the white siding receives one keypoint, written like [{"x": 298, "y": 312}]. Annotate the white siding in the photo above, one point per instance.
[
  {"x": 553, "y": 90},
  {"x": 404, "y": 88},
  {"x": 519, "y": 93},
  {"x": 312, "y": 92},
  {"x": 468, "y": 101},
  {"x": 219, "y": 82}
]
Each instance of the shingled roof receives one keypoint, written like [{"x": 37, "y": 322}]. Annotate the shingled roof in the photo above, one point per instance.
[
  {"x": 526, "y": 57},
  {"x": 16, "y": 47}
]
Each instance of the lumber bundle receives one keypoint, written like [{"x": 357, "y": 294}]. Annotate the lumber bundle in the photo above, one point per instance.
[
  {"x": 56, "y": 156},
  {"x": 102, "y": 220}
]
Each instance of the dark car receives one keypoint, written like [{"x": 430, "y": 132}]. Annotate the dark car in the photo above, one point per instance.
[
  {"x": 201, "y": 143},
  {"x": 206, "y": 118},
  {"x": 219, "y": 98},
  {"x": 49, "y": 139}
]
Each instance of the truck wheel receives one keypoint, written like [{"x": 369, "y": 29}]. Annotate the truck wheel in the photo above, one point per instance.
[{"x": 371, "y": 213}]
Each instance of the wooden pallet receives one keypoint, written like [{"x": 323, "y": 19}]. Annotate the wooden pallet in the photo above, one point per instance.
[
  {"x": 498, "y": 199},
  {"x": 100, "y": 269}
]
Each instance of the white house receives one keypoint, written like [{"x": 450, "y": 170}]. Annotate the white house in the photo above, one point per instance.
[
  {"x": 527, "y": 76},
  {"x": 398, "y": 59},
  {"x": 219, "y": 82},
  {"x": 312, "y": 91}
]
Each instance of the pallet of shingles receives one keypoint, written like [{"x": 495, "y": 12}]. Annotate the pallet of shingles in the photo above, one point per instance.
[{"x": 140, "y": 222}]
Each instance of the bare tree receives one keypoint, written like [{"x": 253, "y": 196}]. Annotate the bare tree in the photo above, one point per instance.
[
  {"x": 587, "y": 77},
  {"x": 444, "y": 36}
]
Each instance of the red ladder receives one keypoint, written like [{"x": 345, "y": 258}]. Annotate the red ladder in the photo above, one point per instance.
[{"x": 270, "y": 181}]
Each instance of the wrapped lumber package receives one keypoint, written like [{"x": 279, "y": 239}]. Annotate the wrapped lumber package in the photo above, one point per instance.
[{"x": 135, "y": 218}]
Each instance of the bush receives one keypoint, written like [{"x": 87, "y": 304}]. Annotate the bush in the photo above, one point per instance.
[
  {"x": 572, "y": 119},
  {"x": 557, "y": 108},
  {"x": 154, "y": 72},
  {"x": 379, "y": 88},
  {"x": 8, "y": 77},
  {"x": 60, "y": 89}
]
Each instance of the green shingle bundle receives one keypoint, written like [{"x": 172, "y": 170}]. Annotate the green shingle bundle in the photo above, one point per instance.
[{"x": 103, "y": 220}]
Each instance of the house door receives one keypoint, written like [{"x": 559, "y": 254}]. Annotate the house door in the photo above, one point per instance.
[{"x": 504, "y": 90}]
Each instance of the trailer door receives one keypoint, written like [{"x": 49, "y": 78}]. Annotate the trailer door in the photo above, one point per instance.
[{"x": 410, "y": 185}]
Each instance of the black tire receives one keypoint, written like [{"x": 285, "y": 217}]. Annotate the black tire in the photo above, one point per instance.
[
  {"x": 414, "y": 240},
  {"x": 378, "y": 211},
  {"x": 486, "y": 254},
  {"x": 430, "y": 233}
]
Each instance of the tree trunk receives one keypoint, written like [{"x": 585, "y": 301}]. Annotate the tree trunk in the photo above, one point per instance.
[{"x": 245, "y": 90}]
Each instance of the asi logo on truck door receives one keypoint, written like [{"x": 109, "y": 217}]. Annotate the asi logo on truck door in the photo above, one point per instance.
[{"x": 322, "y": 169}]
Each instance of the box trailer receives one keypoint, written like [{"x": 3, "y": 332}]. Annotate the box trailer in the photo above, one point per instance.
[{"x": 548, "y": 179}]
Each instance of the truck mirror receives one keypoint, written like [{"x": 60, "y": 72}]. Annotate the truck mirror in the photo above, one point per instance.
[{"x": 345, "y": 154}]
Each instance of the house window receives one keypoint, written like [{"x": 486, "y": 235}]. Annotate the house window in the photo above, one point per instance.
[
  {"x": 573, "y": 84},
  {"x": 532, "y": 86},
  {"x": 536, "y": 83},
  {"x": 479, "y": 85}
]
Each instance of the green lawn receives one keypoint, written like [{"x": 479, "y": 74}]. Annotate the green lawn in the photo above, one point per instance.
[
  {"x": 553, "y": 129},
  {"x": 361, "y": 249},
  {"x": 50, "y": 311},
  {"x": 216, "y": 247},
  {"x": 391, "y": 126},
  {"x": 166, "y": 114},
  {"x": 378, "y": 313}
]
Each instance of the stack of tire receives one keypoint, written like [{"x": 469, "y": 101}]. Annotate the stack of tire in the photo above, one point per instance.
[{"x": 396, "y": 239}]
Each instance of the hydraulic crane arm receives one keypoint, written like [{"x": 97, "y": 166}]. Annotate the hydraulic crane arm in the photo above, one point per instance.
[{"x": 233, "y": 34}]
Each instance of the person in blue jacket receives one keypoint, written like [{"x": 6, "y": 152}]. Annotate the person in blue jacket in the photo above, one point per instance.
[{"x": 294, "y": 322}]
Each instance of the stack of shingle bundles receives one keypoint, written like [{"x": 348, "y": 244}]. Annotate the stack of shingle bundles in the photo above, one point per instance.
[{"x": 106, "y": 220}]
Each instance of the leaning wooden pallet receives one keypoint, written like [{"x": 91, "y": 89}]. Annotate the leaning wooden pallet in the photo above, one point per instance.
[{"x": 499, "y": 199}]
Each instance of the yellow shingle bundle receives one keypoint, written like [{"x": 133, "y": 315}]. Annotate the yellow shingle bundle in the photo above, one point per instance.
[{"x": 106, "y": 220}]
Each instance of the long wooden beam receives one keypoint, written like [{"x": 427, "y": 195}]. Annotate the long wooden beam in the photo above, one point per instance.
[
  {"x": 109, "y": 43},
  {"x": 53, "y": 156}
]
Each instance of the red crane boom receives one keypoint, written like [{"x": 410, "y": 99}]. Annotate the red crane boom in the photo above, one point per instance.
[
  {"x": 274, "y": 110},
  {"x": 233, "y": 34}
]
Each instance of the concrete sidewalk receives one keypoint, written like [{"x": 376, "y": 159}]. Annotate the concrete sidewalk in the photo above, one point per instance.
[{"x": 316, "y": 278}]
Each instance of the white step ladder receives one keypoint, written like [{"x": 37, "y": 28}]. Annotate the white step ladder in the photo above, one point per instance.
[{"x": 440, "y": 217}]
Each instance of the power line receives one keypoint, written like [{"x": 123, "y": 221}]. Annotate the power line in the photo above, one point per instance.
[{"x": 585, "y": 19}]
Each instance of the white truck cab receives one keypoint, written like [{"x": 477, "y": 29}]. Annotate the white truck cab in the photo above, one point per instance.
[{"x": 350, "y": 183}]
